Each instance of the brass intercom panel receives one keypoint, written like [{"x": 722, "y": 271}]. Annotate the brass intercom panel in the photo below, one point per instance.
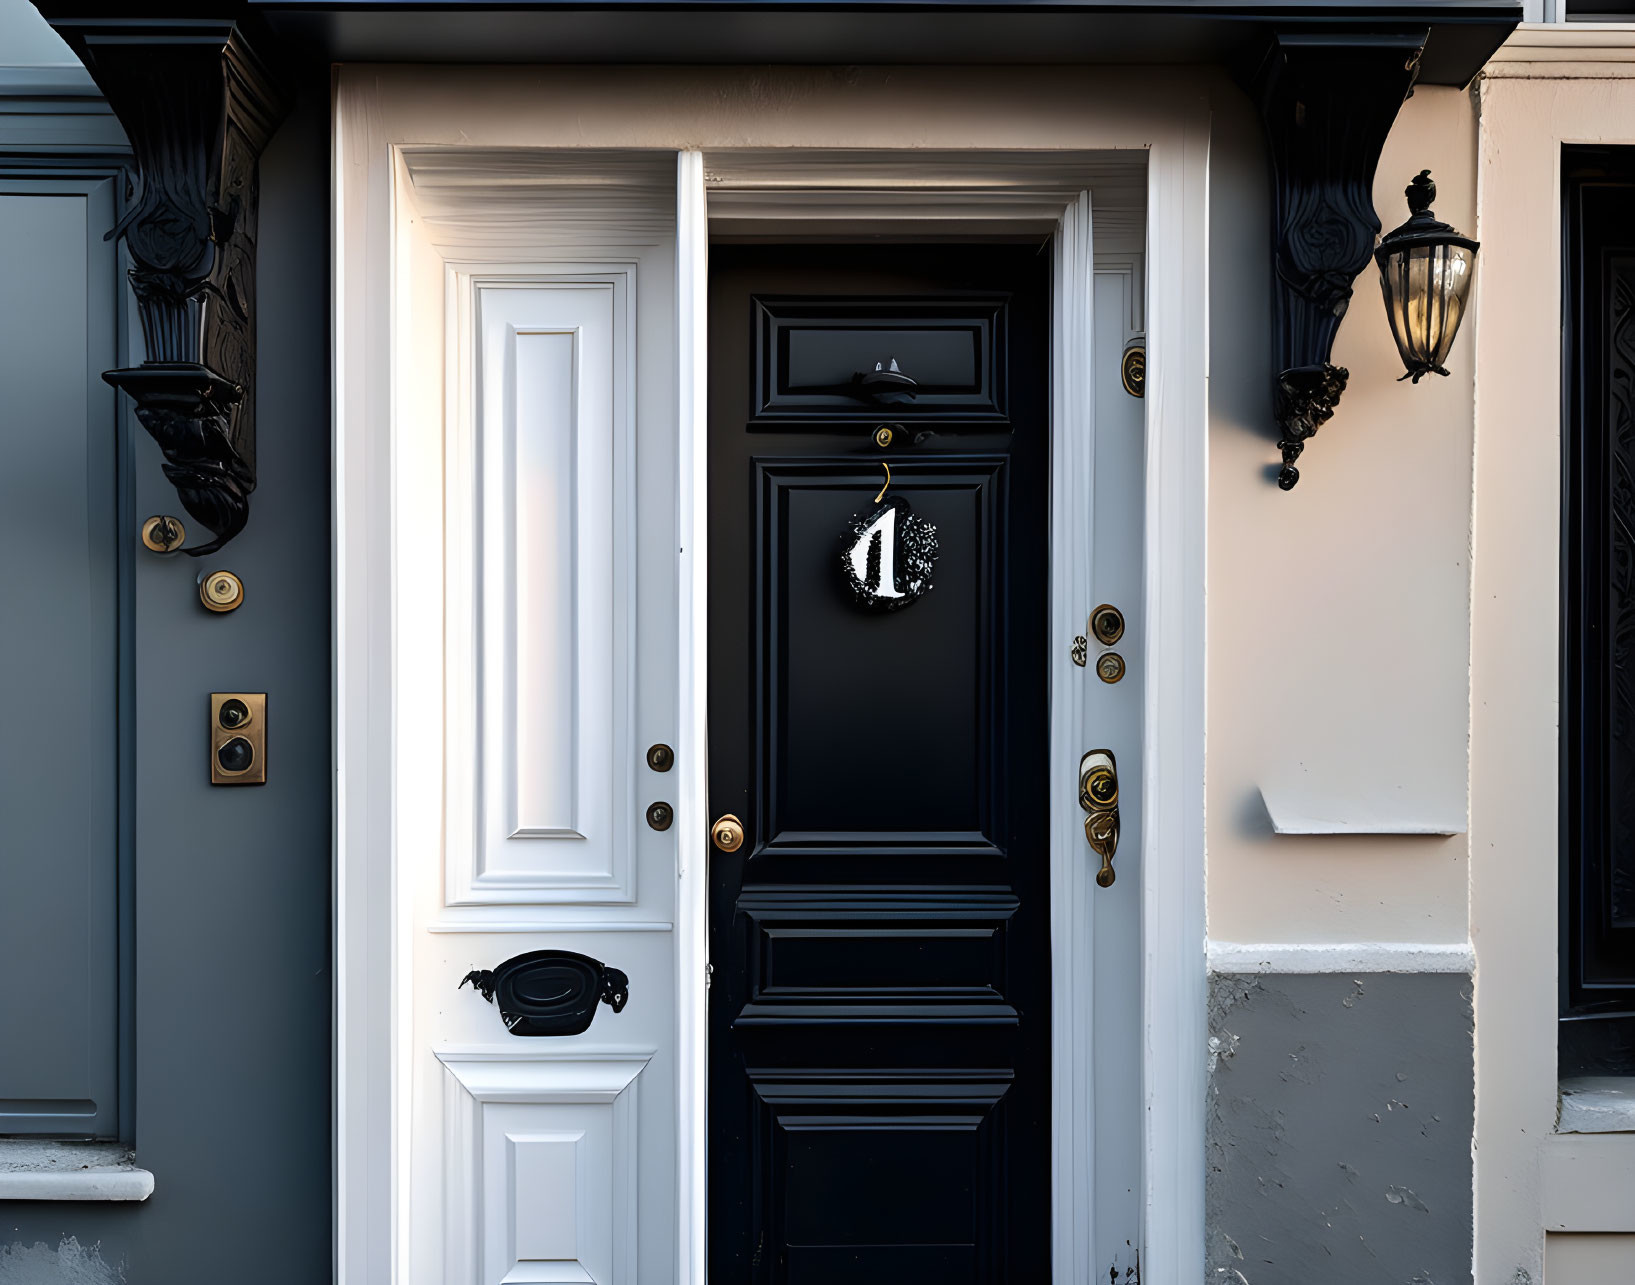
[{"x": 238, "y": 738}]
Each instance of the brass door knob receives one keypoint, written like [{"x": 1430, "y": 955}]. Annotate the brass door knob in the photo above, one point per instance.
[{"x": 727, "y": 833}]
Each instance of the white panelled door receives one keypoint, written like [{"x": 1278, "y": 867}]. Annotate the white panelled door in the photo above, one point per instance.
[{"x": 551, "y": 587}]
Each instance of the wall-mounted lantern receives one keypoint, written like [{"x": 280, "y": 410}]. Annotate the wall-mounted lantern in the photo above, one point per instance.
[{"x": 1426, "y": 268}]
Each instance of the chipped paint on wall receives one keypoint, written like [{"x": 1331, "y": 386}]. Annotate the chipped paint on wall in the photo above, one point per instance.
[
  {"x": 68, "y": 1263},
  {"x": 1340, "y": 1115}
]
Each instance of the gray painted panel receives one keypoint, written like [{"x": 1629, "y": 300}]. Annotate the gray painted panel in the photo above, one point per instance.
[
  {"x": 232, "y": 959},
  {"x": 1340, "y": 1117},
  {"x": 59, "y": 676}
]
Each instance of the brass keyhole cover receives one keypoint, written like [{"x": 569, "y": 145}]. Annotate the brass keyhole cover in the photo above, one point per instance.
[
  {"x": 1101, "y": 787},
  {"x": 1107, "y": 624},
  {"x": 163, "y": 533},
  {"x": 1132, "y": 370},
  {"x": 727, "y": 833}
]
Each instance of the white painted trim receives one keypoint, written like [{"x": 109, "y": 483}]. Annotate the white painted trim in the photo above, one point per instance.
[
  {"x": 1566, "y": 50},
  {"x": 31, "y": 1170},
  {"x": 1173, "y": 982},
  {"x": 692, "y": 760},
  {"x": 366, "y": 994},
  {"x": 1584, "y": 1183},
  {"x": 548, "y": 926},
  {"x": 1072, "y": 498},
  {"x": 1341, "y": 957},
  {"x": 1311, "y": 815}
]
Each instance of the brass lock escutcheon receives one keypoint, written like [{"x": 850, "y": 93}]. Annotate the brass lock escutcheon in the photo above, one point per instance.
[
  {"x": 1098, "y": 796},
  {"x": 727, "y": 833}
]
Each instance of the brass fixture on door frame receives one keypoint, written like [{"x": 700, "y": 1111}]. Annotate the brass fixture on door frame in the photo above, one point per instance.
[{"x": 1098, "y": 796}]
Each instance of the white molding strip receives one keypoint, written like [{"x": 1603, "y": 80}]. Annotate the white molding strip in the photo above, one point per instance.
[
  {"x": 478, "y": 926},
  {"x": 1578, "y": 50},
  {"x": 1072, "y": 916},
  {"x": 692, "y": 654},
  {"x": 1174, "y": 985},
  {"x": 1317, "y": 815},
  {"x": 1341, "y": 957}
]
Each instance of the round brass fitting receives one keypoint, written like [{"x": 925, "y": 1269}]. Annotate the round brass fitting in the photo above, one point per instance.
[
  {"x": 727, "y": 833},
  {"x": 221, "y": 591}
]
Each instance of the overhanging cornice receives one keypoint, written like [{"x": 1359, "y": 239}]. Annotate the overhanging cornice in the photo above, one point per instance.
[{"x": 1461, "y": 34}]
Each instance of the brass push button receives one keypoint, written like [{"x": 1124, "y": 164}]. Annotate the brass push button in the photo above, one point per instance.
[
  {"x": 1107, "y": 624},
  {"x": 727, "y": 833}
]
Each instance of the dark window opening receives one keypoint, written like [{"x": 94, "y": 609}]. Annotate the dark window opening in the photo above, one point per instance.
[{"x": 1598, "y": 614}]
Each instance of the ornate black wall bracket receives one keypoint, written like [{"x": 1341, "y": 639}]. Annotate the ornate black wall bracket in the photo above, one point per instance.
[
  {"x": 1327, "y": 100},
  {"x": 550, "y": 992},
  {"x": 198, "y": 105}
]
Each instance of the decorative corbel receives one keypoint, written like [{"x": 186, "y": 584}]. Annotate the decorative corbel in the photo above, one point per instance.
[
  {"x": 1327, "y": 100},
  {"x": 198, "y": 105}
]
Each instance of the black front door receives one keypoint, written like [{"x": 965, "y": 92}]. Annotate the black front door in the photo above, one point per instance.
[{"x": 880, "y": 994}]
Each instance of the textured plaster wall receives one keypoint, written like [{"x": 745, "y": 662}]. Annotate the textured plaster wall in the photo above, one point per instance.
[
  {"x": 1339, "y": 1125},
  {"x": 1339, "y": 611}
]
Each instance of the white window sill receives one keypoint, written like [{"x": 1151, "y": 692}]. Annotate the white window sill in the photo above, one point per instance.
[
  {"x": 1597, "y": 1104},
  {"x": 70, "y": 1171}
]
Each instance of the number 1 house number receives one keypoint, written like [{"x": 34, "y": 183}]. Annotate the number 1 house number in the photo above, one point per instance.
[{"x": 887, "y": 557}]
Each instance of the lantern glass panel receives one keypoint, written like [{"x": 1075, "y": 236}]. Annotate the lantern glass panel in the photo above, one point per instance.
[{"x": 1426, "y": 288}]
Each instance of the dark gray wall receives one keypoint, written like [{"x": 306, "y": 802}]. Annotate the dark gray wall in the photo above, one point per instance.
[
  {"x": 1340, "y": 1118},
  {"x": 231, "y": 888}
]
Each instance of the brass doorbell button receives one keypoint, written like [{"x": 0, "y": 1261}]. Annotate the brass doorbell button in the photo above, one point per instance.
[
  {"x": 1110, "y": 667},
  {"x": 221, "y": 591},
  {"x": 1106, "y": 624},
  {"x": 163, "y": 533},
  {"x": 660, "y": 757},
  {"x": 238, "y": 738},
  {"x": 661, "y": 816}
]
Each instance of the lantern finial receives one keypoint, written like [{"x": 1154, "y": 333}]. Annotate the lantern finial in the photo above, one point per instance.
[{"x": 1420, "y": 193}]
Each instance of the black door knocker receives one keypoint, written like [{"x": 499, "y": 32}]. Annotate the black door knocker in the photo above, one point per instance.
[{"x": 550, "y": 992}]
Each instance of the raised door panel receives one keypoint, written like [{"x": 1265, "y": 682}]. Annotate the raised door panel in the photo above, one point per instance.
[
  {"x": 59, "y": 685},
  {"x": 541, "y": 1162},
  {"x": 541, "y": 761},
  {"x": 836, "y": 684}
]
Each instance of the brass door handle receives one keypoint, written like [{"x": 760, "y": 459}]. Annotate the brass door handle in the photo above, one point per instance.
[
  {"x": 1098, "y": 796},
  {"x": 727, "y": 833}
]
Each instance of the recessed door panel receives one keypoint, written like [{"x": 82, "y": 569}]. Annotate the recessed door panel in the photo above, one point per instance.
[
  {"x": 879, "y": 1003},
  {"x": 843, "y": 697}
]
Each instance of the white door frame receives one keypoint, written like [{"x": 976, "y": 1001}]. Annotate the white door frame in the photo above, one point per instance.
[{"x": 380, "y": 112}]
